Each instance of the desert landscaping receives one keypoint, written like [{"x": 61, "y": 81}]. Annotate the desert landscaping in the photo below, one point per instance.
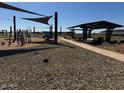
[{"x": 61, "y": 66}]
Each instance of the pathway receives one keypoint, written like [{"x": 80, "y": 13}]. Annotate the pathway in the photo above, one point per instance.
[{"x": 104, "y": 52}]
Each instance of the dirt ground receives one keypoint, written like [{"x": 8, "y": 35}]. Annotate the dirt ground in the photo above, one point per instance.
[
  {"x": 35, "y": 41},
  {"x": 116, "y": 47}
]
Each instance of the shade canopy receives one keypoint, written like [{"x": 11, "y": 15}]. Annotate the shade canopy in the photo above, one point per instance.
[
  {"x": 39, "y": 20},
  {"x": 6, "y": 6},
  {"x": 97, "y": 25}
]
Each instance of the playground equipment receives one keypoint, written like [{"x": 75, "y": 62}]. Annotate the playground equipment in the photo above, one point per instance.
[
  {"x": 43, "y": 20},
  {"x": 4, "y": 33},
  {"x": 14, "y": 26},
  {"x": 10, "y": 36}
]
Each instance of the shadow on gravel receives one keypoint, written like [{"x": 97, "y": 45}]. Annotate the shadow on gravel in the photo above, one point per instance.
[
  {"x": 36, "y": 42},
  {"x": 66, "y": 45},
  {"x": 20, "y": 51},
  {"x": 52, "y": 42},
  {"x": 60, "y": 44}
]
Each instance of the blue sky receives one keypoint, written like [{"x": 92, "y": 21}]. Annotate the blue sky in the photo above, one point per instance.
[{"x": 69, "y": 13}]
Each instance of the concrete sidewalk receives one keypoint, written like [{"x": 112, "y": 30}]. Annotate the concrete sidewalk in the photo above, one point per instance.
[{"x": 107, "y": 53}]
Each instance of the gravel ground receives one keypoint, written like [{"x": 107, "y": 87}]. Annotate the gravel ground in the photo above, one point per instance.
[{"x": 62, "y": 66}]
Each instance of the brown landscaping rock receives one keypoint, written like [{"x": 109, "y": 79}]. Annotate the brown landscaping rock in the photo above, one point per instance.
[
  {"x": 2, "y": 43},
  {"x": 46, "y": 60}
]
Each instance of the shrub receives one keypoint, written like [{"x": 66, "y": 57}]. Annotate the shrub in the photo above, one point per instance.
[
  {"x": 98, "y": 41},
  {"x": 122, "y": 41},
  {"x": 114, "y": 42}
]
